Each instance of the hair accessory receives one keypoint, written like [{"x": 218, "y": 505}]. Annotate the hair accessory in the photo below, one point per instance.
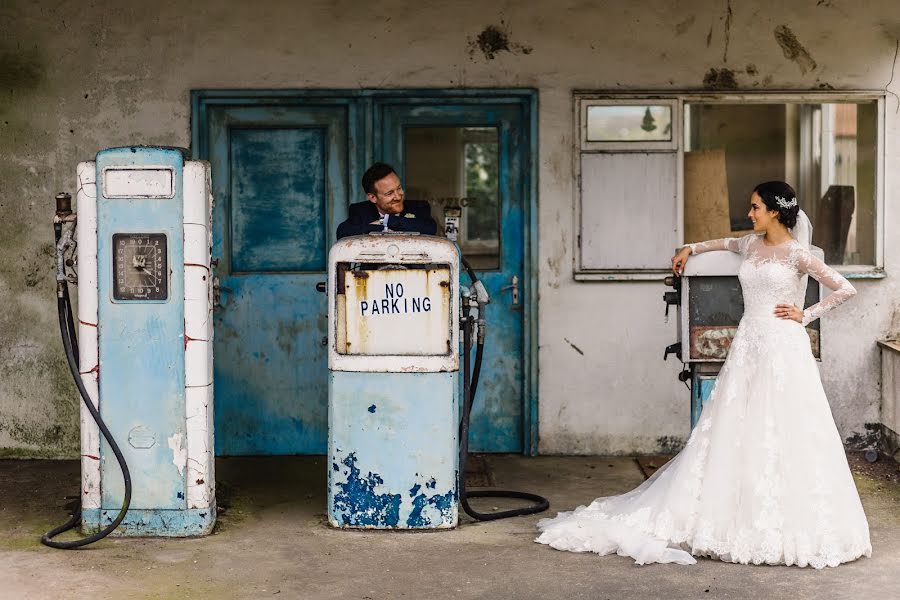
[{"x": 785, "y": 203}]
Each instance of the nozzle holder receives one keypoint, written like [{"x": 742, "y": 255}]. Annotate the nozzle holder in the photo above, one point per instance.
[{"x": 63, "y": 204}]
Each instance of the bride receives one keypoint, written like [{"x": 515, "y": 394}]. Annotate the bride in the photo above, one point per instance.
[{"x": 763, "y": 478}]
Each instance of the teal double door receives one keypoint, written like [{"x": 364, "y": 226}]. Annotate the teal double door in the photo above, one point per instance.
[{"x": 285, "y": 168}]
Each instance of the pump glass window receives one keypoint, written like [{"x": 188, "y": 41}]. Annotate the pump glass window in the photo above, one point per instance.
[
  {"x": 456, "y": 169},
  {"x": 140, "y": 266},
  {"x": 828, "y": 151}
]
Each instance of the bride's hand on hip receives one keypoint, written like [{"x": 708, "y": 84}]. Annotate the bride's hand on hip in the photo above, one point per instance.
[
  {"x": 680, "y": 260},
  {"x": 789, "y": 311}
]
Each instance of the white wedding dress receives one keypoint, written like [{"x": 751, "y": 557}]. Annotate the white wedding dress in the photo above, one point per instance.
[{"x": 763, "y": 478}]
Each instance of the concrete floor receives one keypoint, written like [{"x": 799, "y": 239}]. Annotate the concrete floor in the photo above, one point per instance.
[{"x": 272, "y": 541}]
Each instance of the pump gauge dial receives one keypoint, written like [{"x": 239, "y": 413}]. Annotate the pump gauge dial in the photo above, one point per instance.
[{"x": 140, "y": 266}]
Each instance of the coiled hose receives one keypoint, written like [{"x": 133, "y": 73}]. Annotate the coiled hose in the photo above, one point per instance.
[
  {"x": 470, "y": 386},
  {"x": 70, "y": 345}
]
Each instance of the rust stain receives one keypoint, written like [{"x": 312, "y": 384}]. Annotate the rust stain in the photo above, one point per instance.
[
  {"x": 92, "y": 457},
  {"x": 711, "y": 342}
]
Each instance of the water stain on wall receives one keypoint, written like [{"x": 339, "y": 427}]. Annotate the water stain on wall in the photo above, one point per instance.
[
  {"x": 493, "y": 40},
  {"x": 20, "y": 69},
  {"x": 683, "y": 26},
  {"x": 720, "y": 79},
  {"x": 793, "y": 49}
]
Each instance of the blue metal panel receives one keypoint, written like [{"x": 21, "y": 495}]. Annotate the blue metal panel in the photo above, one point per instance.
[
  {"x": 281, "y": 179},
  {"x": 701, "y": 389},
  {"x": 142, "y": 347},
  {"x": 392, "y": 451},
  {"x": 157, "y": 523},
  {"x": 499, "y": 411},
  {"x": 278, "y": 199}
]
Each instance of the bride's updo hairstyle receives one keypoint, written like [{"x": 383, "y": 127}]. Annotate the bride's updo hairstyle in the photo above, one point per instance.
[{"x": 777, "y": 195}]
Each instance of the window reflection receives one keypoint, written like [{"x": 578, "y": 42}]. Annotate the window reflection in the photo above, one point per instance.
[
  {"x": 826, "y": 151},
  {"x": 623, "y": 123},
  {"x": 457, "y": 168}
]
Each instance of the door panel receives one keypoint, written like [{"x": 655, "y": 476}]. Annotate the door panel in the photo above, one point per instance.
[
  {"x": 281, "y": 184},
  {"x": 285, "y": 166},
  {"x": 499, "y": 409},
  {"x": 277, "y": 210}
]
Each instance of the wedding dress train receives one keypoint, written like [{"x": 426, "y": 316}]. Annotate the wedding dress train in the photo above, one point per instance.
[{"x": 763, "y": 478}]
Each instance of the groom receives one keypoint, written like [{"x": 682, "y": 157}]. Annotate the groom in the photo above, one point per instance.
[{"x": 386, "y": 209}]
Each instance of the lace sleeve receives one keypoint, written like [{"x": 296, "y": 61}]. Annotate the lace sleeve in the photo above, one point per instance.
[
  {"x": 841, "y": 288},
  {"x": 732, "y": 244}
]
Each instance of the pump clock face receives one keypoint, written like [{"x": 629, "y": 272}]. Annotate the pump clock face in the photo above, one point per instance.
[{"x": 140, "y": 266}]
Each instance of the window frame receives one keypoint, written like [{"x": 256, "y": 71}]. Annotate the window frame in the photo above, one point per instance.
[{"x": 584, "y": 99}]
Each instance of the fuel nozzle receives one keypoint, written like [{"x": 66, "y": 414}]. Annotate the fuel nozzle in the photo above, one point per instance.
[{"x": 64, "y": 234}]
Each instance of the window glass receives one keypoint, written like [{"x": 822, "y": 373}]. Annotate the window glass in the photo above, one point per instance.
[
  {"x": 456, "y": 169},
  {"x": 624, "y": 123},
  {"x": 827, "y": 152}
]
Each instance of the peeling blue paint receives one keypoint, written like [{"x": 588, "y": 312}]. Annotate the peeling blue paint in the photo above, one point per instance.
[
  {"x": 372, "y": 409},
  {"x": 407, "y": 447},
  {"x": 358, "y": 503},
  {"x": 335, "y": 467},
  {"x": 444, "y": 503},
  {"x": 150, "y": 522}
]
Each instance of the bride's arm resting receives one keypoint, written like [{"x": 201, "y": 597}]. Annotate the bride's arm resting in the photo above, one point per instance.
[
  {"x": 841, "y": 290},
  {"x": 732, "y": 244},
  {"x": 680, "y": 259}
]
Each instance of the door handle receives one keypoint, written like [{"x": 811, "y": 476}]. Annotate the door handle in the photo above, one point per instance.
[{"x": 514, "y": 286}]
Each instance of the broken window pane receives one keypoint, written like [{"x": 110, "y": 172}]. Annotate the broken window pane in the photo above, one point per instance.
[
  {"x": 623, "y": 123},
  {"x": 827, "y": 152}
]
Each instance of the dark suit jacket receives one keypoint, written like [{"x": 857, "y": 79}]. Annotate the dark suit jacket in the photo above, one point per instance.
[{"x": 416, "y": 216}]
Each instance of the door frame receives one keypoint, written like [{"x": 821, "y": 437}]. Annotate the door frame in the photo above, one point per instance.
[{"x": 527, "y": 98}]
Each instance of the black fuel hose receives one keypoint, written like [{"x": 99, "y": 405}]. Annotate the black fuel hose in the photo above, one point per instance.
[
  {"x": 470, "y": 385},
  {"x": 70, "y": 345}
]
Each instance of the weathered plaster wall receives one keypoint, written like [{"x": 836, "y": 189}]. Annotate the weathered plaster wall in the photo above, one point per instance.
[{"x": 77, "y": 77}]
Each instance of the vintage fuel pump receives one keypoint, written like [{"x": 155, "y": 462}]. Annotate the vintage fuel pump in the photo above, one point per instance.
[
  {"x": 709, "y": 305},
  {"x": 396, "y": 446},
  {"x": 143, "y": 358}
]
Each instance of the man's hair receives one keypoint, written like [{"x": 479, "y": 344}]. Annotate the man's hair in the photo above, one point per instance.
[{"x": 376, "y": 172}]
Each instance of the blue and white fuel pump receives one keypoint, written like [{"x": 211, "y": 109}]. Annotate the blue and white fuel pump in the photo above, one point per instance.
[
  {"x": 396, "y": 447},
  {"x": 393, "y": 358},
  {"x": 144, "y": 352}
]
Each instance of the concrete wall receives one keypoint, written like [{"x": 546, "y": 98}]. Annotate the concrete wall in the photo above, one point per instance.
[{"x": 77, "y": 77}]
